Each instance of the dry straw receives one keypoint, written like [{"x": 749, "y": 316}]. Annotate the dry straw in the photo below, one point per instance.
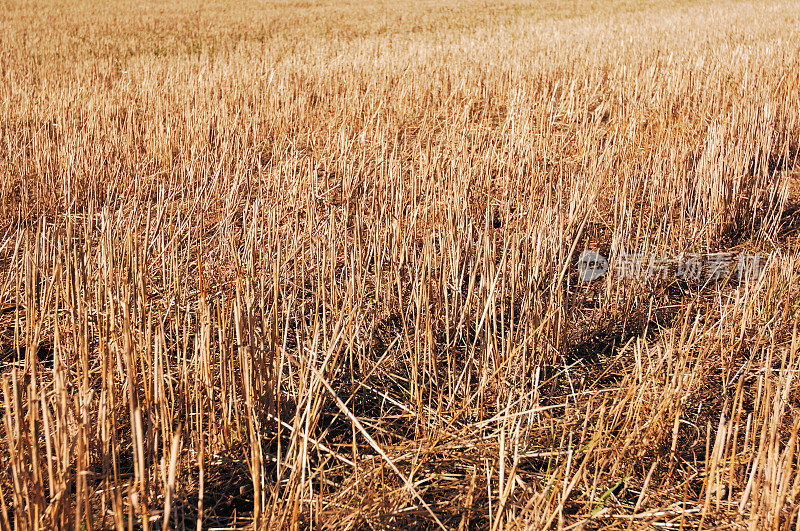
[{"x": 316, "y": 267}]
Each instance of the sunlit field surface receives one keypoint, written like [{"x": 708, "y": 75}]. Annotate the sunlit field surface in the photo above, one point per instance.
[{"x": 313, "y": 265}]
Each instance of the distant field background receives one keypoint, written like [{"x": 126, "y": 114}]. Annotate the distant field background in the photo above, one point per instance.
[{"x": 312, "y": 265}]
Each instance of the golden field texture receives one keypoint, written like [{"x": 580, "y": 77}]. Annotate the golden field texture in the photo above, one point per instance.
[{"x": 312, "y": 265}]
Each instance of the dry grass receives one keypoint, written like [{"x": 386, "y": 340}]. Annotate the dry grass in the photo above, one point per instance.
[{"x": 312, "y": 265}]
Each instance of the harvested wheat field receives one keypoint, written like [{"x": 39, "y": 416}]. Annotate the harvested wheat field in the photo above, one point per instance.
[{"x": 382, "y": 265}]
